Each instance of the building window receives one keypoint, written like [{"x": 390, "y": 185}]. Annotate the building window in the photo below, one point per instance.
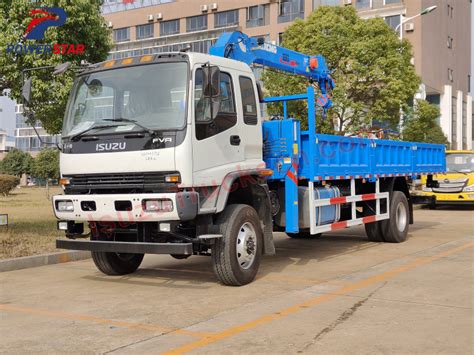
[
  {"x": 145, "y": 31},
  {"x": 263, "y": 38},
  {"x": 258, "y": 15},
  {"x": 393, "y": 21},
  {"x": 280, "y": 38},
  {"x": 122, "y": 34},
  {"x": 226, "y": 18},
  {"x": 290, "y": 10},
  {"x": 196, "y": 23},
  {"x": 226, "y": 115},
  {"x": 450, "y": 42},
  {"x": 169, "y": 27},
  {"x": 469, "y": 83},
  {"x": 390, "y": 2},
  {"x": 317, "y": 3},
  {"x": 450, "y": 75},
  {"x": 363, "y": 4}
]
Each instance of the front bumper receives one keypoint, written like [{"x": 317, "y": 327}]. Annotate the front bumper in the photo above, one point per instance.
[
  {"x": 185, "y": 207},
  {"x": 461, "y": 198},
  {"x": 126, "y": 247}
]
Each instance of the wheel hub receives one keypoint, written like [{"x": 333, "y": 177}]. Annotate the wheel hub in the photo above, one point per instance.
[
  {"x": 401, "y": 217},
  {"x": 246, "y": 245}
]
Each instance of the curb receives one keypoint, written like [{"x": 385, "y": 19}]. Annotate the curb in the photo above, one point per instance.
[{"x": 26, "y": 262}]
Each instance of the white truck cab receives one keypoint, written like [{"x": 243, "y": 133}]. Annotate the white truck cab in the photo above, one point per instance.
[{"x": 142, "y": 157}]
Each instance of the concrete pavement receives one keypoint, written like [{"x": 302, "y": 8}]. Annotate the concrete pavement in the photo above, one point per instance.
[{"x": 338, "y": 294}]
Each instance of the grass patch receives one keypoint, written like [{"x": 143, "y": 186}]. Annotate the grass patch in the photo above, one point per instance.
[{"x": 32, "y": 225}]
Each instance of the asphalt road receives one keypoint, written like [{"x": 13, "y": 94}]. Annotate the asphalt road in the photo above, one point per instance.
[{"x": 338, "y": 294}]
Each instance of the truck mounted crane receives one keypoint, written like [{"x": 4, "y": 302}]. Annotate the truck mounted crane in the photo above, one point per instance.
[{"x": 168, "y": 153}]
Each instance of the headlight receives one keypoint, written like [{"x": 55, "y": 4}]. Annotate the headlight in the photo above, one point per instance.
[
  {"x": 427, "y": 189},
  {"x": 162, "y": 205},
  {"x": 469, "y": 188},
  {"x": 64, "y": 206}
]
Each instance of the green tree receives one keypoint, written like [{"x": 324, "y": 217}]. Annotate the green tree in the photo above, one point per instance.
[
  {"x": 421, "y": 125},
  {"x": 370, "y": 65},
  {"x": 17, "y": 163},
  {"x": 84, "y": 25},
  {"x": 46, "y": 166}
]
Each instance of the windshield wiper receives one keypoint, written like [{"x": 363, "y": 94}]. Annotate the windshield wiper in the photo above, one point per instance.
[
  {"x": 149, "y": 130},
  {"x": 80, "y": 134}
]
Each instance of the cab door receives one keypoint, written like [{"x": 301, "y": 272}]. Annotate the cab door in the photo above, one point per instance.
[{"x": 217, "y": 144}]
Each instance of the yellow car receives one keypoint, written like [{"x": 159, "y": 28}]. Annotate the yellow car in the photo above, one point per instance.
[{"x": 455, "y": 187}]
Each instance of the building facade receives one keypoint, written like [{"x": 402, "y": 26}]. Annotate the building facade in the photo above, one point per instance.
[
  {"x": 26, "y": 138},
  {"x": 7, "y": 125},
  {"x": 441, "y": 40}
]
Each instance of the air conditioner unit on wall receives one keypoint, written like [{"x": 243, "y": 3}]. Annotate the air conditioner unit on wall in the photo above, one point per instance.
[
  {"x": 150, "y": 17},
  {"x": 409, "y": 27},
  {"x": 214, "y": 6},
  {"x": 347, "y": 2},
  {"x": 204, "y": 8},
  {"x": 110, "y": 24},
  {"x": 159, "y": 16}
]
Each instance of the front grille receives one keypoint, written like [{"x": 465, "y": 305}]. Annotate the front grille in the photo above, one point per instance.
[
  {"x": 450, "y": 186},
  {"x": 117, "y": 181}
]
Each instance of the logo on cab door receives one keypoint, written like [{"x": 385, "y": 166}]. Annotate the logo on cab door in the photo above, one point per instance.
[{"x": 107, "y": 147}]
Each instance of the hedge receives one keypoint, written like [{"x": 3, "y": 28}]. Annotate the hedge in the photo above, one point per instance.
[{"x": 8, "y": 183}]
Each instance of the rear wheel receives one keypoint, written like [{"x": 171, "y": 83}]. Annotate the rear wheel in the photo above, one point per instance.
[
  {"x": 374, "y": 232},
  {"x": 236, "y": 256},
  {"x": 395, "y": 229},
  {"x": 116, "y": 263}
]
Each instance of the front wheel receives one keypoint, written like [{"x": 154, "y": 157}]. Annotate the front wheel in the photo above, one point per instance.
[
  {"x": 116, "y": 263},
  {"x": 395, "y": 229},
  {"x": 236, "y": 256}
]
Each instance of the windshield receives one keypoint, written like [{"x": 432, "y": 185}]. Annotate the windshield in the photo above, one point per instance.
[
  {"x": 152, "y": 95},
  {"x": 460, "y": 162}
]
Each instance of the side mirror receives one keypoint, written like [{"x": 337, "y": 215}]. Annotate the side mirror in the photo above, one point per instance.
[
  {"x": 61, "y": 68},
  {"x": 211, "y": 75},
  {"x": 26, "y": 91}
]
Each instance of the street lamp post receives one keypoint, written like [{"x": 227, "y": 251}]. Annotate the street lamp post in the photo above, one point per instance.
[{"x": 404, "y": 20}]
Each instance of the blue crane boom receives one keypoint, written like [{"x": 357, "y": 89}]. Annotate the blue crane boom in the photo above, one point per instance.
[{"x": 239, "y": 46}]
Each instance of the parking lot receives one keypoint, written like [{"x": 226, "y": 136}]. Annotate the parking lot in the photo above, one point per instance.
[{"x": 336, "y": 294}]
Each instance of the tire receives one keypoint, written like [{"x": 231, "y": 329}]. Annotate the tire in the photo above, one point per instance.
[
  {"x": 304, "y": 235},
  {"x": 116, "y": 264},
  {"x": 432, "y": 206},
  {"x": 395, "y": 229},
  {"x": 374, "y": 232},
  {"x": 180, "y": 257},
  {"x": 234, "y": 264}
]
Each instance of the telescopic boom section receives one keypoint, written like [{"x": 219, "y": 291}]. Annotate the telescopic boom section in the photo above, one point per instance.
[{"x": 238, "y": 46}]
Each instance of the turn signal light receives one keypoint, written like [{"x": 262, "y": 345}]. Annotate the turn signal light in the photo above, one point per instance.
[
  {"x": 173, "y": 178},
  {"x": 64, "y": 181},
  {"x": 265, "y": 172}
]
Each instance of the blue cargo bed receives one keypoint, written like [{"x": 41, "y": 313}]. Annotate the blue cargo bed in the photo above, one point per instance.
[{"x": 307, "y": 155}]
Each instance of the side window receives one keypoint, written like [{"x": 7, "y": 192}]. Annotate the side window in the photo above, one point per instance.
[
  {"x": 226, "y": 116},
  {"x": 249, "y": 105}
]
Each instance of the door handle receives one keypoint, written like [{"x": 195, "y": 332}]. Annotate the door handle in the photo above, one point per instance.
[{"x": 234, "y": 140}]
